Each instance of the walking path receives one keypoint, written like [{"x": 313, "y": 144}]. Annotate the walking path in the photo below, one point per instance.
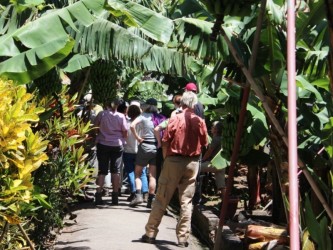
[{"x": 113, "y": 227}]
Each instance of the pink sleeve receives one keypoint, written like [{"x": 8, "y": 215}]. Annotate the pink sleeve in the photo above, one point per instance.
[
  {"x": 98, "y": 119},
  {"x": 125, "y": 124}
]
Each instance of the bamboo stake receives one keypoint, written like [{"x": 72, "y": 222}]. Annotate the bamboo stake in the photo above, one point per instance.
[
  {"x": 26, "y": 237},
  {"x": 5, "y": 228},
  {"x": 240, "y": 124},
  {"x": 292, "y": 130}
]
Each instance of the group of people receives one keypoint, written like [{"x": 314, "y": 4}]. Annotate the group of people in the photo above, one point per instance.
[{"x": 141, "y": 139}]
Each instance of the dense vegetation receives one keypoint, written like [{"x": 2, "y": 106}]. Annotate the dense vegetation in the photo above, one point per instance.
[{"x": 229, "y": 48}]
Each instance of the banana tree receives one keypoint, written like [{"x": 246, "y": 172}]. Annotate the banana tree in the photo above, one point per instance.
[
  {"x": 270, "y": 81},
  {"x": 118, "y": 28},
  {"x": 30, "y": 50}
]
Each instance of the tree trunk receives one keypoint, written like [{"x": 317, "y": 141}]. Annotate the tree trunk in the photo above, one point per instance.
[
  {"x": 329, "y": 8},
  {"x": 253, "y": 181}
]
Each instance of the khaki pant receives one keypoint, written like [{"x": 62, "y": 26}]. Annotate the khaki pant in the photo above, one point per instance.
[
  {"x": 219, "y": 173},
  {"x": 177, "y": 172}
]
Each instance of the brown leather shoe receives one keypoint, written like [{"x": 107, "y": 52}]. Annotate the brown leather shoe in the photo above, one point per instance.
[{"x": 147, "y": 239}]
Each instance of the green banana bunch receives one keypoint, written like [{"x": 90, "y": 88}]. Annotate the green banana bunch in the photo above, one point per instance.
[
  {"x": 230, "y": 123},
  {"x": 232, "y": 108},
  {"x": 49, "y": 83},
  {"x": 103, "y": 80},
  {"x": 229, "y": 7}
]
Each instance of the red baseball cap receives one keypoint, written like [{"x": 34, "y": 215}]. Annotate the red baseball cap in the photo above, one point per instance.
[{"x": 191, "y": 87}]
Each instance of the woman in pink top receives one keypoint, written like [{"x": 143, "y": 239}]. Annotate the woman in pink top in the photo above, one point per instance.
[{"x": 111, "y": 136}]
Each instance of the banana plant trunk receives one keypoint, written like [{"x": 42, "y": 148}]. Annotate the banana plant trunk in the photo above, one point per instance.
[{"x": 329, "y": 8}]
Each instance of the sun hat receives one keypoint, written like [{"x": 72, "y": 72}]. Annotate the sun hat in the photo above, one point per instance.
[
  {"x": 191, "y": 87},
  {"x": 151, "y": 101}
]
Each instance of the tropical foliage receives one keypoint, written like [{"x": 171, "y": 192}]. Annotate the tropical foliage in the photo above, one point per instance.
[
  {"x": 22, "y": 153},
  {"x": 221, "y": 45},
  {"x": 64, "y": 177}
]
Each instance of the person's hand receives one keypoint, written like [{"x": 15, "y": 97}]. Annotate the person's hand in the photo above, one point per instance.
[{"x": 140, "y": 140}]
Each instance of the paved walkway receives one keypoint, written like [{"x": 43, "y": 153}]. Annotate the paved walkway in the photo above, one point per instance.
[{"x": 117, "y": 227}]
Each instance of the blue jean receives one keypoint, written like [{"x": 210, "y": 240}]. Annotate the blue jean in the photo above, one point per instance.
[{"x": 129, "y": 166}]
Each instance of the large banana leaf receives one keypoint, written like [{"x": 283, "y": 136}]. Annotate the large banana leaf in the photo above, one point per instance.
[
  {"x": 77, "y": 62},
  {"x": 193, "y": 36},
  {"x": 104, "y": 39},
  {"x": 318, "y": 230},
  {"x": 95, "y": 36},
  {"x": 152, "y": 24},
  {"x": 38, "y": 46},
  {"x": 309, "y": 19},
  {"x": 33, "y": 63}
]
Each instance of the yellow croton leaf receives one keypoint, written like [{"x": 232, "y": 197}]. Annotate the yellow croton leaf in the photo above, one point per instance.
[
  {"x": 31, "y": 165},
  {"x": 16, "y": 183},
  {"x": 26, "y": 197},
  {"x": 3, "y": 158},
  {"x": 20, "y": 129},
  {"x": 15, "y": 207},
  {"x": 20, "y": 92},
  {"x": 10, "y": 145},
  {"x": 11, "y": 219},
  {"x": 28, "y": 118},
  {"x": 25, "y": 98},
  {"x": 16, "y": 110},
  {"x": 6, "y": 165},
  {"x": 37, "y": 110},
  {"x": 27, "y": 168},
  {"x": 27, "y": 182},
  {"x": 7, "y": 196},
  {"x": 34, "y": 143},
  {"x": 39, "y": 160},
  {"x": 19, "y": 164},
  {"x": 4, "y": 130}
]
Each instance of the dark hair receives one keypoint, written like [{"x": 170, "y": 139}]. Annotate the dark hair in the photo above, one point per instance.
[
  {"x": 122, "y": 107},
  {"x": 176, "y": 99},
  {"x": 151, "y": 101},
  {"x": 112, "y": 103},
  {"x": 133, "y": 111},
  {"x": 218, "y": 125},
  {"x": 150, "y": 108}
]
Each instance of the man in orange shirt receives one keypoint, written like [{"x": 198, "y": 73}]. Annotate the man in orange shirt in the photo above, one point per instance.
[{"x": 182, "y": 141}]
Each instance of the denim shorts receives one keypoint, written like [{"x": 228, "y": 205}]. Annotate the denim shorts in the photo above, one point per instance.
[{"x": 109, "y": 157}]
